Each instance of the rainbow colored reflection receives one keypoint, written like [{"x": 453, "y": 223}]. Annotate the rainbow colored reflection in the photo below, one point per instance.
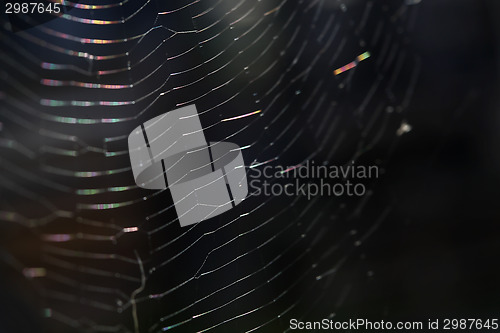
[{"x": 353, "y": 64}]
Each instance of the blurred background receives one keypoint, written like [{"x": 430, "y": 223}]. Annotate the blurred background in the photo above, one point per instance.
[{"x": 82, "y": 249}]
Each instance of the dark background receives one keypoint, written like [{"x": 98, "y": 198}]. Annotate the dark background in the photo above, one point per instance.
[{"x": 437, "y": 256}]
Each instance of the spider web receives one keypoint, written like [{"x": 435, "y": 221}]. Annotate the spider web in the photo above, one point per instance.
[{"x": 106, "y": 256}]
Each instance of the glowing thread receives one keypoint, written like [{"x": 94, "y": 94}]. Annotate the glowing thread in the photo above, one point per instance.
[
  {"x": 242, "y": 116},
  {"x": 353, "y": 64}
]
